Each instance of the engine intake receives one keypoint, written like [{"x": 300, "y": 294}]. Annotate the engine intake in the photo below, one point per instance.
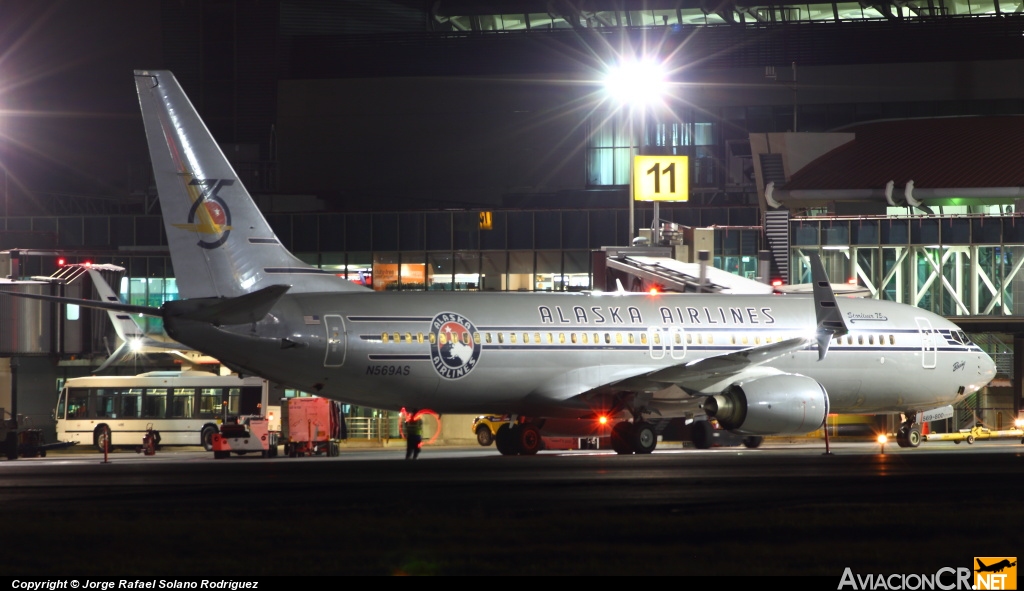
[{"x": 787, "y": 404}]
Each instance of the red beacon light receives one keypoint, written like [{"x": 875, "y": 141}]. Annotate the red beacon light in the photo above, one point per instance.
[
  {"x": 61, "y": 261},
  {"x": 776, "y": 282}
]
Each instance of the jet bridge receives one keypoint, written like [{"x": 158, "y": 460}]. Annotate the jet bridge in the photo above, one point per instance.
[{"x": 645, "y": 268}]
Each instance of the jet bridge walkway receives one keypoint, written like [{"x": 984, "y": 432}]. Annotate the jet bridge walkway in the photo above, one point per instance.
[{"x": 646, "y": 268}]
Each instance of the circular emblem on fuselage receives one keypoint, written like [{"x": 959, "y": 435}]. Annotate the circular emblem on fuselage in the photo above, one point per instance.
[{"x": 454, "y": 350}]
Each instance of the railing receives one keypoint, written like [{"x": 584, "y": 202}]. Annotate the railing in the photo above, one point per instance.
[
  {"x": 999, "y": 351},
  {"x": 380, "y": 427}
]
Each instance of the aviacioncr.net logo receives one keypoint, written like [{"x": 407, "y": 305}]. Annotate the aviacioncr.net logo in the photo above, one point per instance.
[
  {"x": 995, "y": 572},
  {"x": 209, "y": 214}
]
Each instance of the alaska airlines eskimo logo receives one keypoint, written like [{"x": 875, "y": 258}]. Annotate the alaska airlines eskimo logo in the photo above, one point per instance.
[
  {"x": 209, "y": 215},
  {"x": 453, "y": 351}
]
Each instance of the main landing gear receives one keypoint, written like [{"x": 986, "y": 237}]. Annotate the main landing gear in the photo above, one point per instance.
[
  {"x": 634, "y": 438},
  {"x": 909, "y": 433},
  {"x": 521, "y": 439}
]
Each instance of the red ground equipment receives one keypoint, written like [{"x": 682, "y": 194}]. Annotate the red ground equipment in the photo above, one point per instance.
[
  {"x": 252, "y": 434},
  {"x": 314, "y": 427},
  {"x": 150, "y": 441}
]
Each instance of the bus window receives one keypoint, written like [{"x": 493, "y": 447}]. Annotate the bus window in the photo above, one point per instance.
[
  {"x": 105, "y": 404},
  {"x": 78, "y": 403},
  {"x": 209, "y": 402},
  {"x": 182, "y": 403},
  {"x": 131, "y": 403},
  {"x": 154, "y": 405}
]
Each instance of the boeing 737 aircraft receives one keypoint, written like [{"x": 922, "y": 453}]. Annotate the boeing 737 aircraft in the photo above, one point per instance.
[{"x": 759, "y": 364}]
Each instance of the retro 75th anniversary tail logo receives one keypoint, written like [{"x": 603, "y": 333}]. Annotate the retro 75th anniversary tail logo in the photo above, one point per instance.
[{"x": 209, "y": 214}]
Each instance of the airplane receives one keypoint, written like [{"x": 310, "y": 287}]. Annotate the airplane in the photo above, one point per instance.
[
  {"x": 134, "y": 340},
  {"x": 558, "y": 363},
  {"x": 994, "y": 568}
]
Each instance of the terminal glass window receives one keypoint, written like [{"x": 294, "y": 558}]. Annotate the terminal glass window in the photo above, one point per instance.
[
  {"x": 441, "y": 271},
  {"x": 609, "y": 150},
  {"x": 467, "y": 271},
  {"x": 493, "y": 266}
]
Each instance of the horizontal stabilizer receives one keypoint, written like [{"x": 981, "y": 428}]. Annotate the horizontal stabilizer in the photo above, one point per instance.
[
  {"x": 243, "y": 309},
  {"x": 144, "y": 310}
]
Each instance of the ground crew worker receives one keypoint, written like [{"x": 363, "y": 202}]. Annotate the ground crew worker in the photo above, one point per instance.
[{"x": 413, "y": 434}]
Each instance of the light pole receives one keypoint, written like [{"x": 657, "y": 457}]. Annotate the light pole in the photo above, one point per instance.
[{"x": 635, "y": 84}]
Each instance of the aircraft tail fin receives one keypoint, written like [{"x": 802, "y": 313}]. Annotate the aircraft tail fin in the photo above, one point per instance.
[
  {"x": 221, "y": 245},
  {"x": 124, "y": 325}
]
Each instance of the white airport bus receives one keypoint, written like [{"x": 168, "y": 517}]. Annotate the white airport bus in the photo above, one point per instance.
[{"x": 183, "y": 407}]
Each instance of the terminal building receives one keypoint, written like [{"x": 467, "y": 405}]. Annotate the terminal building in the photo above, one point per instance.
[{"x": 466, "y": 145}]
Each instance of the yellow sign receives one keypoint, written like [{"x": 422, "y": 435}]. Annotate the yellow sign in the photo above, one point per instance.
[
  {"x": 661, "y": 178},
  {"x": 486, "y": 223}
]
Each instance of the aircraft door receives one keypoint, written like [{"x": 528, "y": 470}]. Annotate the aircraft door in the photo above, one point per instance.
[
  {"x": 929, "y": 348},
  {"x": 337, "y": 341},
  {"x": 671, "y": 340}
]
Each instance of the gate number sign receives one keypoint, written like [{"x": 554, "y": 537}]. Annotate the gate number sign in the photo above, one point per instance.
[{"x": 661, "y": 178}]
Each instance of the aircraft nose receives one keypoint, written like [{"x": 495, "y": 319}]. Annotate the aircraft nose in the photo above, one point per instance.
[{"x": 986, "y": 368}]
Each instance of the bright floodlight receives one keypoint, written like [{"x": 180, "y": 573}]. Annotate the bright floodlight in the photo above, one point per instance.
[{"x": 636, "y": 83}]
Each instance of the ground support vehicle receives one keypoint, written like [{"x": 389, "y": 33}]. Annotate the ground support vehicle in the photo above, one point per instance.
[
  {"x": 974, "y": 434},
  {"x": 314, "y": 427},
  {"x": 485, "y": 427},
  {"x": 25, "y": 443},
  {"x": 252, "y": 434},
  {"x": 704, "y": 434}
]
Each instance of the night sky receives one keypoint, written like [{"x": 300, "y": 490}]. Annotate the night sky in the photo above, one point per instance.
[{"x": 69, "y": 115}]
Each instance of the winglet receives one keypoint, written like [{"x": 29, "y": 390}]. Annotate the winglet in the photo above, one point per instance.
[{"x": 826, "y": 311}]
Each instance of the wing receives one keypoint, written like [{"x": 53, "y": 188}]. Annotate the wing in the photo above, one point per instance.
[
  {"x": 715, "y": 367},
  {"x": 675, "y": 390}
]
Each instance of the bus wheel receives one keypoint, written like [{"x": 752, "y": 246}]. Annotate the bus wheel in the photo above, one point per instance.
[
  {"x": 101, "y": 437},
  {"x": 206, "y": 437}
]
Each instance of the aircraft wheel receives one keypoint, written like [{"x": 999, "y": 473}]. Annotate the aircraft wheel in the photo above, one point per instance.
[
  {"x": 622, "y": 438},
  {"x": 505, "y": 441},
  {"x": 914, "y": 437},
  {"x": 644, "y": 438},
  {"x": 528, "y": 438},
  {"x": 700, "y": 434},
  {"x": 753, "y": 442},
  {"x": 484, "y": 436},
  {"x": 101, "y": 437},
  {"x": 970, "y": 439},
  {"x": 206, "y": 437}
]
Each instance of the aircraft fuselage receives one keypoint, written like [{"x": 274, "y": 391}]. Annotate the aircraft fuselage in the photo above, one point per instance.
[{"x": 533, "y": 353}]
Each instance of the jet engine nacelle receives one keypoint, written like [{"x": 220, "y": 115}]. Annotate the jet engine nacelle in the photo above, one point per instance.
[{"x": 786, "y": 404}]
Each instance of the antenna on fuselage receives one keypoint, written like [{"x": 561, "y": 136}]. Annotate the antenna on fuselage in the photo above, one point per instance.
[{"x": 826, "y": 311}]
